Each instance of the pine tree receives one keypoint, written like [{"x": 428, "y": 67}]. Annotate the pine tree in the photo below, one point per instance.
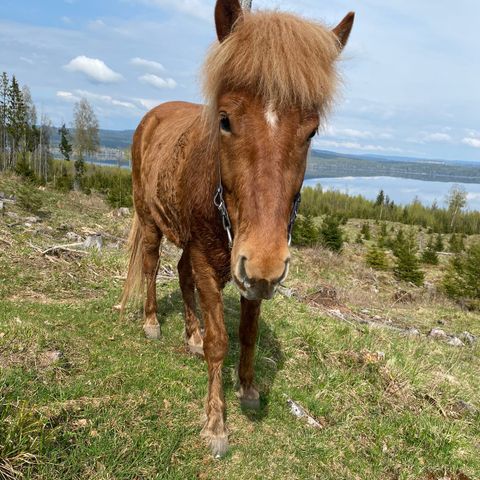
[
  {"x": 16, "y": 118},
  {"x": 305, "y": 232},
  {"x": 376, "y": 258},
  {"x": 331, "y": 234},
  {"x": 461, "y": 281},
  {"x": 429, "y": 255},
  {"x": 383, "y": 239},
  {"x": 456, "y": 243},
  {"x": 359, "y": 239},
  {"x": 65, "y": 146},
  {"x": 439, "y": 243},
  {"x": 407, "y": 266},
  {"x": 4, "y": 90},
  {"x": 365, "y": 231}
]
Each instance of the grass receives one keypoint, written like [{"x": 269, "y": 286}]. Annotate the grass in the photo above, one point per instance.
[{"x": 116, "y": 406}]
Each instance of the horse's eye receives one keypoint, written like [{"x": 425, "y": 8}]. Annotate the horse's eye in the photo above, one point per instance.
[
  {"x": 225, "y": 124},
  {"x": 313, "y": 134}
]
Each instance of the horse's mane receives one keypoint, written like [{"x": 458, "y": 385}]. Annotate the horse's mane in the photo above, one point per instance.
[{"x": 284, "y": 59}]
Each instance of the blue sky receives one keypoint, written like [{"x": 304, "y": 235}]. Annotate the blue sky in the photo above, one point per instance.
[{"x": 411, "y": 70}]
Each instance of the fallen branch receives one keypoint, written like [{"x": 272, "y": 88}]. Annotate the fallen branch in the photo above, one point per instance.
[{"x": 64, "y": 248}]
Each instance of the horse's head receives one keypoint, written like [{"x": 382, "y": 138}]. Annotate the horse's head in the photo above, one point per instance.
[{"x": 269, "y": 83}]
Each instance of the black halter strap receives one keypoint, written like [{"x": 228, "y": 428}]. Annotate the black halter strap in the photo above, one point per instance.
[{"x": 219, "y": 202}]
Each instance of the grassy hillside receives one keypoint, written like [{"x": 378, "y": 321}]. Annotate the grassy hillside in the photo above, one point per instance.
[{"x": 85, "y": 396}]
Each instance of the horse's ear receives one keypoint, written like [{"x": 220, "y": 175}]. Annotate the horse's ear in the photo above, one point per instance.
[
  {"x": 226, "y": 14},
  {"x": 343, "y": 29}
]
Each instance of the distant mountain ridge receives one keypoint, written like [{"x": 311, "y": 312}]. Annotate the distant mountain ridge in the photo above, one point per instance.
[{"x": 328, "y": 164}]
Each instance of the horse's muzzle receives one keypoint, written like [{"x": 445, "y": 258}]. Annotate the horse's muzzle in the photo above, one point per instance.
[{"x": 256, "y": 288}]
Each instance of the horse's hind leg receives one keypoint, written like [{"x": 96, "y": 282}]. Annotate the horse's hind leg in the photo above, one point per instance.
[
  {"x": 152, "y": 236},
  {"x": 193, "y": 337}
]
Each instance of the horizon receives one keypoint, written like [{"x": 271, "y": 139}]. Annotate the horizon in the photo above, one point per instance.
[{"x": 409, "y": 83}]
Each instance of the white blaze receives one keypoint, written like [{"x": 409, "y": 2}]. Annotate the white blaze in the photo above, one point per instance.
[{"x": 271, "y": 116}]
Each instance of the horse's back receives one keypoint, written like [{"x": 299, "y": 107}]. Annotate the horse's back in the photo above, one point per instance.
[{"x": 160, "y": 156}]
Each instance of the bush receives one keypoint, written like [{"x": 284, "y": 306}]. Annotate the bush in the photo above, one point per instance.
[
  {"x": 407, "y": 265},
  {"x": 456, "y": 243},
  {"x": 365, "y": 231},
  {"x": 429, "y": 255},
  {"x": 461, "y": 281},
  {"x": 331, "y": 234},
  {"x": 376, "y": 258},
  {"x": 305, "y": 232},
  {"x": 29, "y": 198}
]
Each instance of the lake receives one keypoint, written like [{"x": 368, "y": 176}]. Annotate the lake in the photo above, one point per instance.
[{"x": 400, "y": 190}]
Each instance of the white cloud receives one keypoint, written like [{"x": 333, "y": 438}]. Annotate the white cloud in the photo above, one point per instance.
[
  {"x": 195, "y": 8},
  {"x": 355, "y": 146},
  {"x": 348, "y": 132},
  {"x": 105, "y": 99},
  {"x": 67, "y": 96},
  {"x": 437, "y": 137},
  {"x": 472, "y": 142},
  {"x": 148, "y": 103},
  {"x": 96, "y": 24},
  {"x": 66, "y": 20},
  {"x": 27, "y": 60},
  {"x": 149, "y": 64},
  {"x": 158, "y": 82},
  {"x": 95, "y": 69}
]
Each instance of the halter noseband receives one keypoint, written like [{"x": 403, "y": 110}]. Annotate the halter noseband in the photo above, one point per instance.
[{"x": 219, "y": 202}]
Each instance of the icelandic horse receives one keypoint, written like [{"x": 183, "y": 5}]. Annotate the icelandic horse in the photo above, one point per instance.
[{"x": 222, "y": 181}]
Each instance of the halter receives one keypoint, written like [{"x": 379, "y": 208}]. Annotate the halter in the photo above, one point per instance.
[{"x": 219, "y": 202}]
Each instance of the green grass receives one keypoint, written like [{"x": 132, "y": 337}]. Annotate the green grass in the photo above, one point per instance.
[{"x": 117, "y": 406}]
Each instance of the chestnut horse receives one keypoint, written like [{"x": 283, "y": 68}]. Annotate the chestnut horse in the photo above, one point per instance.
[{"x": 222, "y": 181}]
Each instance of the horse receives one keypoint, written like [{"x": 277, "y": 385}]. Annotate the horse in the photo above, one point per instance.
[{"x": 222, "y": 181}]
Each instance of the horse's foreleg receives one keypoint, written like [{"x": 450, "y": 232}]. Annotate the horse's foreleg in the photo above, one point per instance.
[
  {"x": 152, "y": 237},
  {"x": 193, "y": 337},
  {"x": 215, "y": 344},
  {"x": 250, "y": 312}
]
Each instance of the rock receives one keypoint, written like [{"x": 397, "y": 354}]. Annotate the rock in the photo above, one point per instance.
[
  {"x": 93, "y": 241},
  {"x": 456, "y": 342},
  {"x": 467, "y": 337},
  {"x": 123, "y": 212},
  {"x": 32, "y": 220},
  {"x": 437, "y": 333},
  {"x": 12, "y": 215},
  {"x": 74, "y": 237},
  {"x": 2, "y": 195},
  {"x": 414, "y": 332},
  {"x": 463, "y": 406}
]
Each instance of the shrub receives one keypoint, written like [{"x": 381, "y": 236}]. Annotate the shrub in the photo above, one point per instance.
[
  {"x": 461, "y": 281},
  {"x": 376, "y": 258},
  {"x": 365, "y": 231},
  {"x": 331, "y": 234},
  {"x": 305, "y": 232},
  {"x": 429, "y": 255},
  {"x": 407, "y": 265},
  {"x": 29, "y": 198}
]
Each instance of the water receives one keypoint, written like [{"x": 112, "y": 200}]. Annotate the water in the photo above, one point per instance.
[{"x": 400, "y": 190}]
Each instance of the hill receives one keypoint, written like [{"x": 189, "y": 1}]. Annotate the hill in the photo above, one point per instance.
[{"x": 85, "y": 395}]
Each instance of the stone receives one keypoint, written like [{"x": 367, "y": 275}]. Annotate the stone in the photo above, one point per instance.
[
  {"x": 93, "y": 241},
  {"x": 456, "y": 342},
  {"x": 437, "y": 333},
  {"x": 414, "y": 332},
  {"x": 32, "y": 219},
  {"x": 123, "y": 212},
  {"x": 74, "y": 237},
  {"x": 467, "y": 337}
]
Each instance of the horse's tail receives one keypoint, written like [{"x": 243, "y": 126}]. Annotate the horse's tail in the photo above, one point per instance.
[{"x": 134, "y": 283}]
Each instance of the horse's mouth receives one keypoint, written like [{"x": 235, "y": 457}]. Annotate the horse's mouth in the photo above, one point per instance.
[{"x": 255, "y": 290}]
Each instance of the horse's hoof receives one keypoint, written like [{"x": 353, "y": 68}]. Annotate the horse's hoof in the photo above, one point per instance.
[
  {"x": 249, "y": 398},
  {"x": 196, "y": 350},
  {"x": 250, "y": 403},
  {"x": 195, "y": 344},
  {"x": 218, "y": 443},
  {"x": 152, "y": 332}
]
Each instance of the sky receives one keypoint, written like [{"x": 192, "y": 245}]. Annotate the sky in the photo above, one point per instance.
[{"x": 410, "y": 71}]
